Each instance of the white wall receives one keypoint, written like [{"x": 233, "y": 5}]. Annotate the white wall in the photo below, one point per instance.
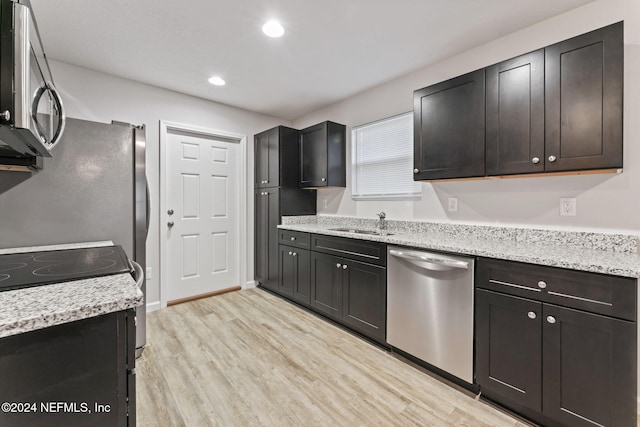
[
  {"x": 603, "y": 201},
  {"x": 91, "y": 95}
]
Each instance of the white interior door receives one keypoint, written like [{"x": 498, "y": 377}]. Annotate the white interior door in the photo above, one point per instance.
[{"x": 202, "y": 227}]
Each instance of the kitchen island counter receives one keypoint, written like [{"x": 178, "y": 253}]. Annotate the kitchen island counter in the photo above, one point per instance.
[{"x": 29, "y": 309}]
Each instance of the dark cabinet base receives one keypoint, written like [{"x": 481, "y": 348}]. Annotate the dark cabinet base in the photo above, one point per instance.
[{"x": 78, "y": 373}]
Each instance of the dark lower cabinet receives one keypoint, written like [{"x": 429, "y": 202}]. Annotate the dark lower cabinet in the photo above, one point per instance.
[
  {"x": 267, "y": 218},
  {"x": 352, "y": 292},
  {"x": 559, "y": 366},
  {"x": 75, "y": 374},
  {"x": 509, "y": 347},
  {"x": 295, "y": 274}
]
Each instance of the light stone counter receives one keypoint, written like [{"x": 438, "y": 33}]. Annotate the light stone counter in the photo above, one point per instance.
[
  {"x": 24, "y": 310},
  {"x": 614, "y": 254}
]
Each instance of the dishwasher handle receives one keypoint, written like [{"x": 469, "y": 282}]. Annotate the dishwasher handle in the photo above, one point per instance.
[{"x": 421, "y": 256}]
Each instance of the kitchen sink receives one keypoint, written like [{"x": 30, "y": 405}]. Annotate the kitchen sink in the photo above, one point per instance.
[{"x": 362, "y": 231}]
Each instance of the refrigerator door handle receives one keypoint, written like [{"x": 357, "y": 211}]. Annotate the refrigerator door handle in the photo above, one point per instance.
[{"x": 148, "y": 207}]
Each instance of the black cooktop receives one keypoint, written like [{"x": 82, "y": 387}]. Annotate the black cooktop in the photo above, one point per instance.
[{"x": 40, "y": 268}]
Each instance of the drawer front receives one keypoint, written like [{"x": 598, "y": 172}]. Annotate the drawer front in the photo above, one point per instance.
[
  {"x": 298, "y": 239},
  {"x": 596, "y": 293},
  {"x": 359, "y": 250}
]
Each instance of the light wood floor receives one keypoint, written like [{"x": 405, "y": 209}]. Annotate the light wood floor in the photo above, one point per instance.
[{"x": 248, "y": 358}]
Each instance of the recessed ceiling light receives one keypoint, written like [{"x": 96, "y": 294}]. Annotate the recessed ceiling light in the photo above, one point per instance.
[
  {"x": 216, "y": 80},
  {"x": 273, "y": 29}
]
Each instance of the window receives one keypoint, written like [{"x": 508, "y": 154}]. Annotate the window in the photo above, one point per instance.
[{"x": 382, "y": 160}]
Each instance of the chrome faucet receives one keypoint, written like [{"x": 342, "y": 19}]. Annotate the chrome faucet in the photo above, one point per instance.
[{"x": 381, "y": 223}]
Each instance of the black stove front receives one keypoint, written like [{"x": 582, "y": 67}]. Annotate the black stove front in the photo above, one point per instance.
[{"x": 47, "y": 267}]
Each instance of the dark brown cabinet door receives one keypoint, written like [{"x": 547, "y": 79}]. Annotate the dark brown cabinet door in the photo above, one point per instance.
[
  {"x": 508, "y": 348},
  {"x": 267, "y": 218},
  {"x": 515, "y": 115},
  {"x": 449, "y": 128},
  {"x": 326, "y": 284},
  {"x": 295, "y": 273},
  {"x": 267, "y": 162},
  {"x": 584, "y": 86},
  {"x": 589, "y": 368},
  {"x": 365, "y": 298},
  {"x": 323, "y": 155}
]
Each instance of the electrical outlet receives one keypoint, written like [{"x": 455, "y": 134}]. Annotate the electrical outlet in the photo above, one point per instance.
[
  {"x": 568, "y": 206},
  {"x": 148, "y": 273},
  {"x": 453, "y": 204},
  {"x": 324, "y": 203}
]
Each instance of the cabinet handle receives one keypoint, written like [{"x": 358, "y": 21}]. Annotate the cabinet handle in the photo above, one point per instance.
[
  {"x": 295, "y": 254},
  {"x": 531, "y": 315},
  {"x": 338, "y": 265},
  {"x": 170, "y": 212},
  {"x": 551, "y": 319},
  {"x": 323, "y": 179},
  {"x": 416, "y": 170},
  {"x": 552, "y": 159},
  {"x": 344, "y": 267},
  {"x": 542, "y": 284},
  {"x": 293, "y": 239},
  {"x": 535, "y": 160}
]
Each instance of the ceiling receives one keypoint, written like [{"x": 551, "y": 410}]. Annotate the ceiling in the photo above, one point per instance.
[{"x": 332, "y": 49}]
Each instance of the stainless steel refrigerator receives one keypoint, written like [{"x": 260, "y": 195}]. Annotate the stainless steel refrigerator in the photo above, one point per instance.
[{"x": 93, "y": 188}]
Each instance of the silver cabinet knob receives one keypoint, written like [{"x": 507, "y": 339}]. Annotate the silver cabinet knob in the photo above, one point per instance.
[
  {"x": 531, "y": 315},
  {"x": 552, "y": 159},
  {"x": 170, "y": 224},
  {"x": 338, "y": 265},
  {"x": 542, "y": 284},
  {"x": 344, "y": 267},
  {"x": 289, "y": 252},
  {"x": 293, "y": 239},
  {"x": 416, "y": 170},
  {"x": 170, "y": 212},
  {"x": 323, "y": 179},
  {"x": 535, "y": 160},
  {"x": 5, "y": 115},
  {"x": 551, "y": 319},
  {"x": 264, "y": 193},
  {"x": 294, "y": 254}
]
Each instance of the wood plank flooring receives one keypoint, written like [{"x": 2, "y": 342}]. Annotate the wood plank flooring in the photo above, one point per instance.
[{"x": 248, "y": 358}]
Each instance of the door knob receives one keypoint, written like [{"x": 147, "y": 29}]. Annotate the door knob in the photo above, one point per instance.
[
  {"x": 170, "y": 224},
  {"x": 170, "y": 212}
]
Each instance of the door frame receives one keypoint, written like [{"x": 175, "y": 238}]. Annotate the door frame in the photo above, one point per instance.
[{"x": 166, "y": 127}]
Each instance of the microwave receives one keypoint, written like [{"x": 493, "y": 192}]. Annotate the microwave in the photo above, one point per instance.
[{"x": 31, "y": 112}]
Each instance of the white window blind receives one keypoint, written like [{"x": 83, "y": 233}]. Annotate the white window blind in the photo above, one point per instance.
[{"x": 382, "y": 160}]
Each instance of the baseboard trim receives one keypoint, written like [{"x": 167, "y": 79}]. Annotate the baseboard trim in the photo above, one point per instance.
[
  {"x": 153, "y": 306},
  {"x": 250, "y": 284},
  {"x": 197, "y": 297}
]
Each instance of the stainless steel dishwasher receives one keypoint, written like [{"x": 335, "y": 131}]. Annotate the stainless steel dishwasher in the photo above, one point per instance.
[{"x": 430, "y": 308}]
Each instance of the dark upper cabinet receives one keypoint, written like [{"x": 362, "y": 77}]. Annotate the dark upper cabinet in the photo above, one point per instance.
[
  {"x": 584, "y": 84},
  {"x": 323, "y": 156},
  {"x": 515, "y": 115},
  {"x": 449, "y": 128},
  {"x": 558, "y": 109},
  {"x": 275, "y": 148}
]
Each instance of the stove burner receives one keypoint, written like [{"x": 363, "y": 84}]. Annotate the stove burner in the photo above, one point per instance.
[
  {"x": 12, "y": 266},
  {"x": 65, "y": 268}
]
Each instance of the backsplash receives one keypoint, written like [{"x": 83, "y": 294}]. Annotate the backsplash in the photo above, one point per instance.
[{"x": 623, "y": 243}]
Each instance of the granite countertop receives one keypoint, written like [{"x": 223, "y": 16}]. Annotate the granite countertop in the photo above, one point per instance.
[
  {"x": 24, "y": 310},
  {"x": 533, "y": 250}
]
